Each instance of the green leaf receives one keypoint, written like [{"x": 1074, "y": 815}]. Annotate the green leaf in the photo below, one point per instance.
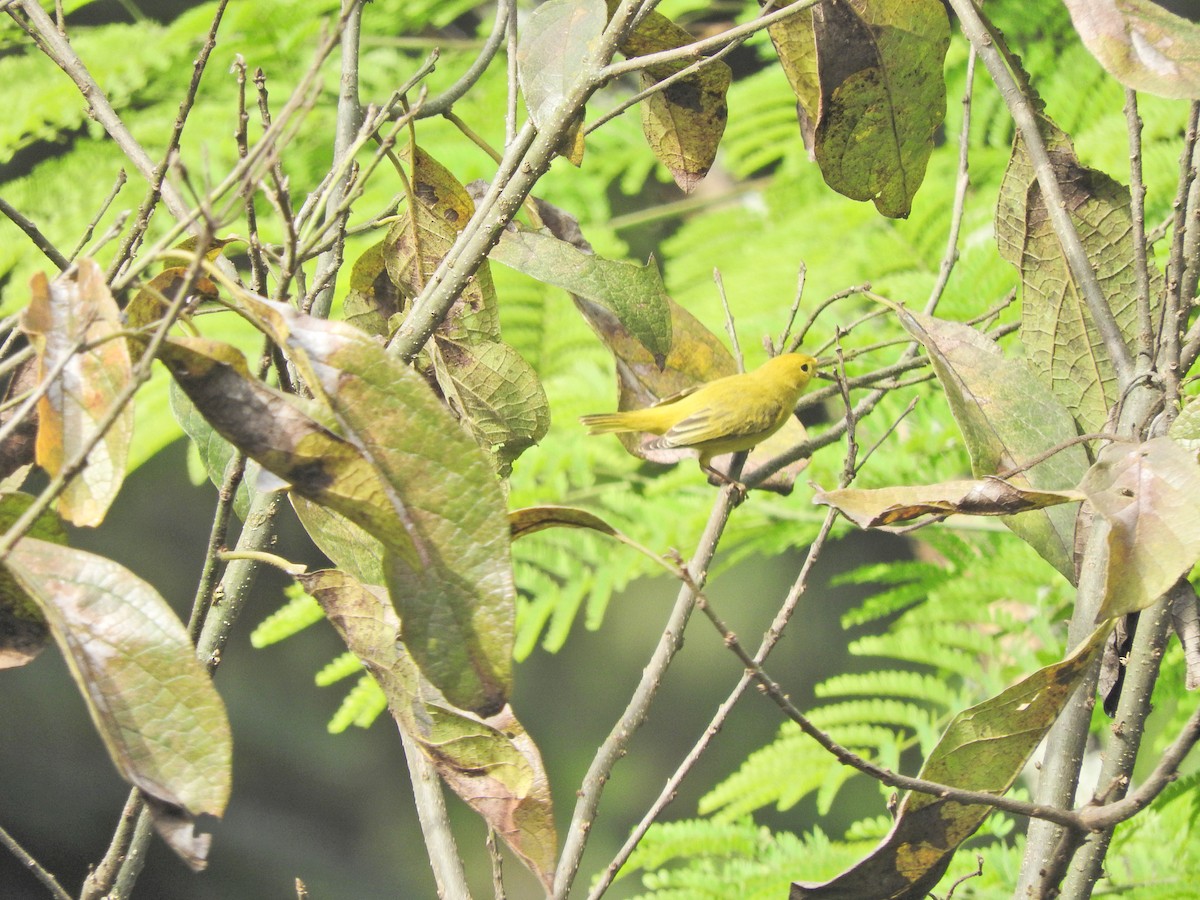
[
  {"x": 557, "y": 50},
  {"x": 23, "y": 628},
  {"x": 430, "y": 497},
  {"x": 868, "y": 75},
  {"x": 373, "y": 299},
  {"x": 73, "y": 310},
  {"x": 497, "y": 393},
  {"x": 1062, "y": 342},
  {"x": 1142, "y": 45},
  {"x": 153, "y": 703},
  {"x": 491, "y": 763},
  {"x": 215, "y": 452},
  {"x": 1147, "y": 493},
  {"x": 984, "y": 749},
  {"x": 533, "y": 519},
  {"x": 633, "y": 293},
  {"x": 1007, "y": 418}
]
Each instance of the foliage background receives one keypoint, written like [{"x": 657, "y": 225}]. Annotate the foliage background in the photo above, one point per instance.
[{"x": 334, "y": 810}]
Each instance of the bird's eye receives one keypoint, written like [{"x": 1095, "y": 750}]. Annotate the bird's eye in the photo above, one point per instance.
[{"x": 806, "y": 367}]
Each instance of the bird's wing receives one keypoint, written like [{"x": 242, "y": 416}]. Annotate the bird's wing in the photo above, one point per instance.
[
  {"x": 709, "y": 424},
  {"x": 678, "y": 395}
]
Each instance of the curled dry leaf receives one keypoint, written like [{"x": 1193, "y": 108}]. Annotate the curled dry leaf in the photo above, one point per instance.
[{"x": 986, "y": 497}]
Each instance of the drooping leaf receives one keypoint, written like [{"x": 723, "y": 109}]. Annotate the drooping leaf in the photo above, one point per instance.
[
  {"x": 496, "y": 392},
  {"x": 1007, "y": 418},
  {"x": 558, "y": 49},
  {"x": 152, "y": 701},
  {"x": 1061, "y": 340},
  {"x": 868, "y": 76},
  {"x": 425, "y": 490},
  {"x": 684, "y": 122},
  {"x": 1185, "y": 620},
  {"x": 1147, "y": 492},
  {"x": 215, "y": 452},
  {"x": 74, "y": 310},
  {"x": 634, "y": 294},
  {"x": 984, "y": 749},
  {"x": 491, "y": 763},
  {"x": 351, "y": 548},
  {"x": 1141, "y": 44},
  {"x": 987, "y": 497}
]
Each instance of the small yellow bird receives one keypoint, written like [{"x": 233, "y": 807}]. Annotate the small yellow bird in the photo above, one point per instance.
[{"x": 723, "y": 416}]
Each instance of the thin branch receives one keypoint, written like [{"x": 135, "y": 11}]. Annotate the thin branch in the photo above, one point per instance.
[
  {"x": 635, "y": 713},
  {"x": 55, "y": 45},
  {"x": 824, "y": 305},
  {"x": 730, "y": 328},
  {"x": 961, "y": 184},
  {"x": 1026, "y": 120},
  {"x": 37, "y": 869},
  {"x": 770, "y": 639},
  {"x": 108, "y": 201},
  {"x": 40, "y": 241},
  {"x": 801, "y": 277},
  {"x": 442, "y": 103},
  {"x": 1137, "y": 209}
]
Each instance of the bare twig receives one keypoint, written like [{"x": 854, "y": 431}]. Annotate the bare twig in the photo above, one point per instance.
[
  {"x": 441, "y": 103},
  {"x": 770, "y": 639},
  {"x": 779, "y": 346},
  {"x": 638, "y": 707},
  {"x": 961, "y": 184},
  {"x": 37, "y": 869},
  {"x": 730, "y": 328},
  {"x": 91, "y": 226},
  {"x": 1137, "y": 209},
  {"x": 40, "y": 241}
]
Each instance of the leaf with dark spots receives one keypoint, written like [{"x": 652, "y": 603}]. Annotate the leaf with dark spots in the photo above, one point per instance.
[
  {"x": 423, "y": 234},
  {"x": 868, "y": 77},
  {"x": 683, "y": 124},
  {"x": 984, "y": 749},
  {"x": 373, "y": 299}
]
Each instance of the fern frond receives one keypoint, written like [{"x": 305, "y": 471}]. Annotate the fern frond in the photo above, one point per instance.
[{"x": 300, "y": 611}]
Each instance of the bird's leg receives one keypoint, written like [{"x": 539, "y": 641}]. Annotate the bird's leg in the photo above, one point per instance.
[{"x": 717, "y": 477}]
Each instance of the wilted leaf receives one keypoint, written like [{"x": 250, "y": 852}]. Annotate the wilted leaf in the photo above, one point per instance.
[
  {"x": 684, "y": 122},
  {"x": 421, "y": 486},
  {"x": 74, "y": 310},
  {"x": 152, "y": 301},
  {"x": 1147, "y": 492},
  {"x": 868, "y": 76},
  {"x": 557, "y": 50},
  {"x": 17, "y": 450},
  {"x": 1141, "y": 44},
  {"x": 984, "y": 749},
  {"x": 491, "y": 763},
  {"x": 533, "y": 519},
  {"x": 423, "y": 234},
  {"x": 1007, "y": 418},
  {"x": 373, "y": 299},
  {"x": 1061, "y": 340},
  {"x": 496, "y": 392},
  {"x": 988, "y": 497},
  {"x": 153, "y": 703},
  {"x": 633, "y": 293}
]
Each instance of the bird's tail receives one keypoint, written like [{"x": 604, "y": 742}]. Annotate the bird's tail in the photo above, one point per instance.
[{"x": 607, "y": 423}]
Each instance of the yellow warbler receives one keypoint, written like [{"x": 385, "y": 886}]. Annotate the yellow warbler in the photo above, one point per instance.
[{"x": 723, "y": 416}]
